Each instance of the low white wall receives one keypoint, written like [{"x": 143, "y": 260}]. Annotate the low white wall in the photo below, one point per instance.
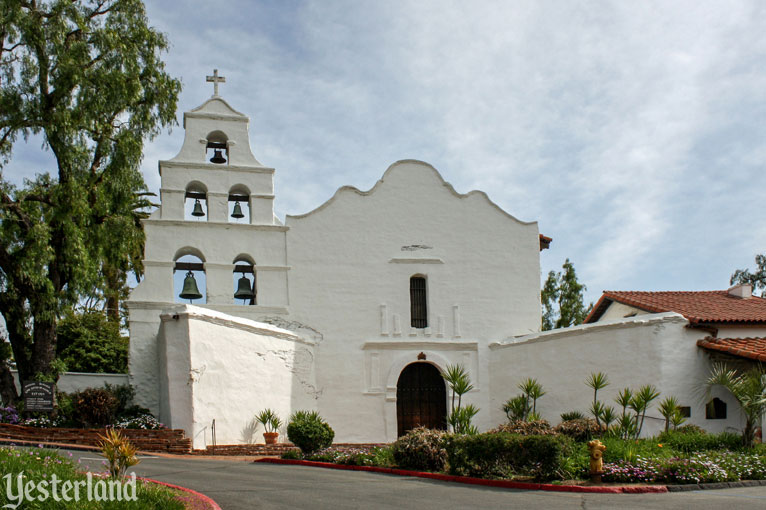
[
  {"x": 653, "y": 349},
  {"x": 69, "y": 382},
  {"x": 223, "y": 368}
]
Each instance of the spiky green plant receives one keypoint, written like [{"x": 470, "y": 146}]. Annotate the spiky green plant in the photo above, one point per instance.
[
  {"x": 668, "y": 407},
  {"x": 597, "y": 381},
  {"x": 640, "y": 402},
  {"x": 749, "y": 390}
]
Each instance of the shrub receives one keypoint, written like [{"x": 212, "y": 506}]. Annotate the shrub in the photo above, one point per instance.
[
  {"x": 94, "y": 407},
  {"x": 143, "y": 422},
  {"x": 420, "y": 449},
  {"x": 9, "y": 415},
  {"x": 504, "y": 455},
  {"x": 526, "y": 428},
  {"x": 572, "y": 415},
  {"x": 582, "y": 430},
  {"x": 690, "y": 428},
  {"x": 309, "y": 432},
  {"x": 292, "y": 455},
  {"x": 89, "y": 342},
  {"x": 689, "y": 442}
]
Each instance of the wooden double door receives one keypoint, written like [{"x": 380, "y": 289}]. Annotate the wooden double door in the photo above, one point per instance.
[{"x": 421, "y": 398}]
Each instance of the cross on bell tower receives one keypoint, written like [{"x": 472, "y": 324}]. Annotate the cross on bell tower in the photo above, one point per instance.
[{"x": 216, "y": 80}]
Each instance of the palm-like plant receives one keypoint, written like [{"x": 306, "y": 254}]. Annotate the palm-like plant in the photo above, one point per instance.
[
  {"x": 597, "y": 381},
  {"x": 459, "y": 381},
  {"x": 748, "y": 388},
  {"x": 532, "y": 391},
  {"x": 668, "y": 408},
  {"x": 641, "y": 402}
]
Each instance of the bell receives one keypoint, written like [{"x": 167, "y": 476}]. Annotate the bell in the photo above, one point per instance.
[
  {"x": 190, "y": 290},
  {"x": 217, "y": 157},
  {"x": 197, "y": 209},
  {"x": 237, "y": 213},
  {"x": 244, "y": 290}
]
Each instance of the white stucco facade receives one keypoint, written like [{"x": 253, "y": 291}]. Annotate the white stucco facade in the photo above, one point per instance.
[{"x": 331, "y": 329}]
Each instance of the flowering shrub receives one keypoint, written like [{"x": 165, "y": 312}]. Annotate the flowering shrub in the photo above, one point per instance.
[
  {"x": 9, "y": 415},
  {"x": 421, "y": 449},
  {"x": 42, "y": 422},
  {"x": 704, "y": 467},
  {"x": 526, "y": 428},
  {"x": 583, "y": 429},
  {"x": 144, "y": 421}
]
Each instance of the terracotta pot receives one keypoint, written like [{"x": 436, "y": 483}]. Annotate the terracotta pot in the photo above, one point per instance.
[{"x": 270, "y": 437}]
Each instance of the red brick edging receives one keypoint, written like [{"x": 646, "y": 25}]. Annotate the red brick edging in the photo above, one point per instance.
[
  {"x": 507, "y": 484},
  {"x": 206, "y": 499}
]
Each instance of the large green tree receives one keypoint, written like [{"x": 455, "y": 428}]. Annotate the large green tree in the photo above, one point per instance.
[
  {"x": 562, "y": 299},
  {"x": 86, "y": 76},
  {"x": 756, "y": 278}
]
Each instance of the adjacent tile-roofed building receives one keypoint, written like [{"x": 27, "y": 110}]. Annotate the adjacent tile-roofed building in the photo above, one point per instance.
[
  {"x": 734, "y": 306},
  {"x": 750, "y": 348}
]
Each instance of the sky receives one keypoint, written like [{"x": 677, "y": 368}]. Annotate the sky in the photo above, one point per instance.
[{"x": 632, "y": 132}]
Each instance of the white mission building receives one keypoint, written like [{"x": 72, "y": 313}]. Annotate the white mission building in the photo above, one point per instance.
[{"x": 352, "y": 308}]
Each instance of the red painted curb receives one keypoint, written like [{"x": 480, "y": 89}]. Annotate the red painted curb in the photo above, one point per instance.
[
  {"x": 506, "y": 484},
  {"x": 199, "y": 495}
]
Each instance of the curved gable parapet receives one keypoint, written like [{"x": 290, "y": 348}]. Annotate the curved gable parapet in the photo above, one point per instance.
[
  {"x": 388, "y": 174},
  {"x": 217, "y": 106}
]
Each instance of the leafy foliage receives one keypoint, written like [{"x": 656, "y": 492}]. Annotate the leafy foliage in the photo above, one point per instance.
[
  {"x": 95, "y": 407},
  {"x": 421, "y": 449},
  {"x": 572, "y": 415},
  {"x": 749, "y": 389},
  {"x": 691, "y": 442},
  {"x": 526, "y": 428},
  {"x": 460, "y": 417},
  {"x": 504, "y": 455},
  {"x": 309, "y": 432},
  {"x": 581, "y": 429},
  {"x": 756, "y": 278},
  {"x": 562, "y": 299},
  {"x": 88, "y": 342},
  {"x": 87, "y": 77}
]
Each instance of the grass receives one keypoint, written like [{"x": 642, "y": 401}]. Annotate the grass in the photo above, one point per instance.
[{"x": 39, "y": 464}]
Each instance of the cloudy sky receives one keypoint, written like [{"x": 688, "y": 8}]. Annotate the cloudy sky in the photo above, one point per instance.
[{"x": 633, "y": 132}]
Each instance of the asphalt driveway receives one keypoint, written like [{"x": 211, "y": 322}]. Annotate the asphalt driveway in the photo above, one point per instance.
[{"x": 244, "y": 485}]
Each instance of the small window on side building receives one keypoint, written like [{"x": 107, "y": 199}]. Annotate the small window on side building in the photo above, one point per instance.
[
  {"x": 418, "y": 302},
  {"x": 715, "y": 409}
]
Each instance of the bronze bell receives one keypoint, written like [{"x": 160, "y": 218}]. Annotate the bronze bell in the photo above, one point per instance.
[
  {"x": 237, "y": 213},
  {"x": 217, "y": 157},
  {"x": 190, "y": 290},
  {"x": 197, "y": 209},
  {"x": 244, "y": 290}
]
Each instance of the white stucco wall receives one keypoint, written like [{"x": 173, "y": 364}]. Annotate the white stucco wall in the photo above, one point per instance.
[
  {"x": 69, "y": 382},
  {"x": 351, "y": 261},
  {"x": 653, "y": 349},
  {"x": 217, "y": 367}
]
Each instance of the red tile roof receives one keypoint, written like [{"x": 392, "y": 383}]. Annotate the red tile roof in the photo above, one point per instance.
[
  {"x": 751, "y": 348},
  {"x": 713, "y": 306},
  {"x": 545, "y": 242}
]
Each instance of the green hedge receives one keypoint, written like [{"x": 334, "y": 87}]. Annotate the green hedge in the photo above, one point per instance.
[
  {"x": 504, "y": 455},
  {"x": 691, "y": 442}
]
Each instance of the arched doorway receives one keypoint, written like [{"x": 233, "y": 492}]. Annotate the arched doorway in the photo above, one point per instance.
[{"x": 421, "y": 398}]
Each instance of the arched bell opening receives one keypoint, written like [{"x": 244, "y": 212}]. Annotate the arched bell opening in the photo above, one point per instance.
[
  {"x": 245, "y": 290},
  {"x": 195, "y": 202},
  {"x": 239, "y": 205},
  {"x": 217, "y": 148},
  {"x": 189, "y": 281}
]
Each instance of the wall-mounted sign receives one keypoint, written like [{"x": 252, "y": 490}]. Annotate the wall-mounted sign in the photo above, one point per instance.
[{"x": 39, "y": 396}]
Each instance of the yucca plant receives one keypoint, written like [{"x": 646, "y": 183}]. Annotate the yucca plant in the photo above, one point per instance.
[
  {"x": 597, "y": 381},
  {"x": 748, "y": 388},
  {"x": 269, "y": 419},
  {"x": 532, "y": 391},
  {"x": 457, "y": 378},
  {"x": 517, "y": 408},
  {"x": 640, "y": 402},
  {"x": 668, "y": 408},
  {"x": 120, "y": 454}
]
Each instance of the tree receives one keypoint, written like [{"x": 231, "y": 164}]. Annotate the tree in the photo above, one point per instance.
[
  {"x": 562, "y": 299},
  {"x": 89, "y": 342},
  {"x": 86, "y": 76},
  {"x": 749, "y": 390},
  {"x": 756, "y": 279}
]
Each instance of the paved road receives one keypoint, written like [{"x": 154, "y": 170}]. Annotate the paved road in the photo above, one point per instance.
[{"x": 243, "y": 485}]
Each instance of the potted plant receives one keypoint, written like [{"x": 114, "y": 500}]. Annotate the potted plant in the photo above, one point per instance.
[{"x": 271, "y": 423}]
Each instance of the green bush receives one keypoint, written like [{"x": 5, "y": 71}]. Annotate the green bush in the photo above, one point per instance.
[
  {"x": 690, "y": 442},
  {"x": 630, "y": 450},
  {"x": 690, "y": 428},
  {"x": 526, "y": 428},
  {"x": 582, "y": 430},
  {"x": 88, "y": 342},
  {"x": 309, "y": 432},
  {"x": 504, "y": 455},
  {"x": 94, "y": 407},
  {"x": 292, "y": 455},
  {"x": 420, "y": 449},
  {"x": 572, "y": 415}
]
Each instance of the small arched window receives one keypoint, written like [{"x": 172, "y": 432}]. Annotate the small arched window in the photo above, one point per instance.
[
  {"x": 418, "y": 302},
  {"x": 189, "y": 282},
  {"x": 245, "y": 290},
  {"x": 715, "y": 409},
  {"x": 195, "y": 202}
]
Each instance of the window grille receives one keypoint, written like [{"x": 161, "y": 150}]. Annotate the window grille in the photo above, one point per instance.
[{"x": 418, "y": 302}]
